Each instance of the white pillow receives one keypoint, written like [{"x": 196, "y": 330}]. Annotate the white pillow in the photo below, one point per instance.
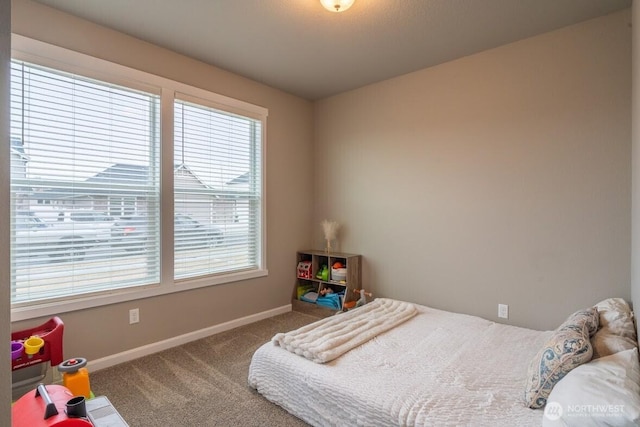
[
  {"x": 605, "y": 391},
  {"x": 617, "y": 331},
  {"x": 616, "y": 315},
  {"x": 605, "y": 343}
]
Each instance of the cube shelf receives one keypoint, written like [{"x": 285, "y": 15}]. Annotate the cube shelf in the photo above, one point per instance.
[{"x": 310, "y": 278}]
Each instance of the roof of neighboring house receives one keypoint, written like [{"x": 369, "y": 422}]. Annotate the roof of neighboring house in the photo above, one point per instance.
[
  {"x": 185, "y": 168},
  {"x": 240, "y": 179},
  {"x": 128, "y": 174},
  {"x": 124, "y": 174},
  {"x": 121, "y": 180}
]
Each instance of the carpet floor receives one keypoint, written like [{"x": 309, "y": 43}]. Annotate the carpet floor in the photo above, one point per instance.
[{"x": 199, "y": 384}]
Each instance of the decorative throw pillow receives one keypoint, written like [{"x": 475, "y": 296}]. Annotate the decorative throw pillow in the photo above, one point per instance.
[
  {"x": 587, "y": 316},
  {"x": 567, "y": 348},
  {"x": 605, "y": 391}
]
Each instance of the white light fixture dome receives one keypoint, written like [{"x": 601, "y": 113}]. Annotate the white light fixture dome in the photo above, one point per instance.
[{"x": 337, "y": 5}]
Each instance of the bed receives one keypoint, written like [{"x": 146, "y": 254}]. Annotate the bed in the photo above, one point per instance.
[{"x": 436, "y": 368}]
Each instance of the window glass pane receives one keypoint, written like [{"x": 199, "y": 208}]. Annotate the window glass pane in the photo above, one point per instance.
[
  {"x": 84, "y": 185},
  {"x": 217, "y": 198}
]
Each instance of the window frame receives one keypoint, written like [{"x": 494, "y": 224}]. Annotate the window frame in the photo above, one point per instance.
[
  {"x": 194, "y": 115},
  {"x": 44, "y": 54}
]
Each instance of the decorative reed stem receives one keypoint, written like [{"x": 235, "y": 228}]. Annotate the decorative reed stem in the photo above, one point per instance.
[{"x": 330, "y": 229}]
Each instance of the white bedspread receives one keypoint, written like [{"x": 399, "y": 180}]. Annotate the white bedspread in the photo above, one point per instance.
[
  {"x": 439, "y": 369},
  {"x": 329, "y": 338}
]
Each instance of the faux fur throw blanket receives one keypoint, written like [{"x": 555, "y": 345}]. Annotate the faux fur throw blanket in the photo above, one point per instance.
[{"x": 329, "y": 338}]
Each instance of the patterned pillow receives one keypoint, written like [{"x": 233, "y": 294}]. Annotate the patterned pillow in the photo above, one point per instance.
[
  {"x": 568, "y": 348},
  {"x": 588, "y": 317}
]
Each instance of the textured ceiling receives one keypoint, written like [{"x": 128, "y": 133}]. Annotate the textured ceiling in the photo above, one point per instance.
[{"x": 299, "y": 47}]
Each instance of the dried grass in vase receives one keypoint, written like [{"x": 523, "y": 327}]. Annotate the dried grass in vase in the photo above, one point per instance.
[{"x": 330, "y": 229}]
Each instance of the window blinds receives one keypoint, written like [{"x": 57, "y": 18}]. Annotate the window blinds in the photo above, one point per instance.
[
  {"x": 84, "y": 158},
  {"x": 217, "y": 190}
]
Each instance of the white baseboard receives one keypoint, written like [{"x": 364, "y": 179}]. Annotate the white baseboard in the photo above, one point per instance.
[{"x": 145, "y": 350}]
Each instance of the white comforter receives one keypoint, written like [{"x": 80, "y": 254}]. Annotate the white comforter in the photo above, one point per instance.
[{"x": 436, "y": 369}]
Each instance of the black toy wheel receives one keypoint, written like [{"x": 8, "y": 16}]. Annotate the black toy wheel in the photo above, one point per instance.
[{"x": 72, "y": 365}]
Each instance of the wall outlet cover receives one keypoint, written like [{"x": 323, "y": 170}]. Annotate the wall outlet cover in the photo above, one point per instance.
[
  {"x": 134, "y": 316},
  {"x": 503, "y": 311}
]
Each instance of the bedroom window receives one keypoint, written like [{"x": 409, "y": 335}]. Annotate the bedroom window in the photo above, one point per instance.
[
  {"x": 217, "y": 190},
  {"x": 77, "y": 147},
  {"x": 126, "y": 185}
]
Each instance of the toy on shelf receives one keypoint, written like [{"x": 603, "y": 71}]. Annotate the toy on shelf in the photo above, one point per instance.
[
  {"x": 330, "y": 299},
  {"x": 323, "y": 273},
  {"x": 359, "y": 302},
  {"x": 309, "y": 296},
  {"x": 304, "y": 270}
]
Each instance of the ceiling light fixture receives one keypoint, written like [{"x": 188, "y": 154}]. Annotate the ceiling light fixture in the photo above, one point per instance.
[{"x": 337, "y": 5}]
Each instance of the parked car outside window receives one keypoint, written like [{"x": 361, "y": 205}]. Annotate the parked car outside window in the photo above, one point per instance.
[
  {"x": 131, "y": 233},
  {"x": 68, "y": 238},
  {"x": 87, "y": 222}
]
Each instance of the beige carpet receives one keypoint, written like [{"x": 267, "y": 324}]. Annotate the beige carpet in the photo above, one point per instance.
[{"x": 203, "y": 383}]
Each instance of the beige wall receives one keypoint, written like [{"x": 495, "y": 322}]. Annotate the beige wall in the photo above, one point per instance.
[
  {"x": 502, "y": 177},
  {"x": 5, "y": 306},
  {"x": 105, "y": 331}
]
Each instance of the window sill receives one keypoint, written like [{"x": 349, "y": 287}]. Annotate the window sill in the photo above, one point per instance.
[{"x": 131, "y": 294}]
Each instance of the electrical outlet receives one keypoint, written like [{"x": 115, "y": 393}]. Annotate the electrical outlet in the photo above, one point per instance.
[
  {"x": 503, "y": 311},
  {"x": 134, "y": 316}
]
